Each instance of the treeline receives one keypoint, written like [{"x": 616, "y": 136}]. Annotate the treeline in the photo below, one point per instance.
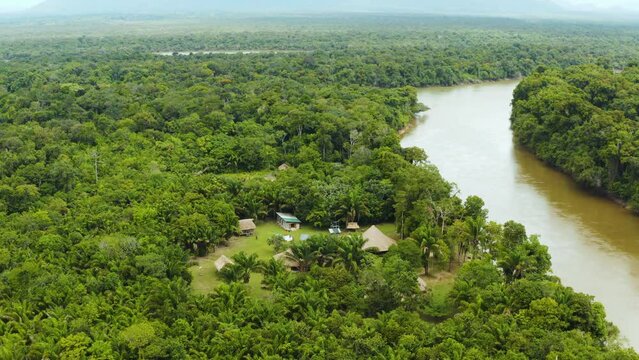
[
  {"x": 585, "y": 121},
  {"x": 370, "y": 51},
  {"x": 117, "y": 167}
]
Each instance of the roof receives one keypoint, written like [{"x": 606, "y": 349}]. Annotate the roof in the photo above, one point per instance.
[
  {"x": 335, "y": 231},
  {"x": 222, "y": 261},
  {"x": 422, "y": 284},
  {"x": 283, "y": 257},
  {"x": 376, "y": 239},
  {"x": 284, "y": 167},
  {"x": 289, "y": 218},
  {"x": 247, "y": 224},
  {"x": 352, "y": 226}
]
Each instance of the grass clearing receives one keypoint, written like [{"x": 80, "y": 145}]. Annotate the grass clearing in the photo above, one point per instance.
[
  {"x": 389, "y": 229},
  {"x": 205, "y": 278}
]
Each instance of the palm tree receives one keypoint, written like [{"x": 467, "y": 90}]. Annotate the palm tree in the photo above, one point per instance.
[
  {"x": 351, "y": 253},
  {"x": 326, "y": 248},
  {"x": 247, "y": 264},
  {"x": 271, "y": 270},
  {"x": 230, "y": 296},
  {"x": 354, "y": 205},
  {"x": 514, "y": 264},
  {"x": 303, "y": 254},
  {"x": 252, "y": 206},
  {"x": 232, "y": 273},
  {"x": 429, "y": 244},
  {"x": 475, "y": 228}
]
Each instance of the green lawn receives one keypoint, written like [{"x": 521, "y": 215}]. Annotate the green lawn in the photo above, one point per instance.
[
  {"x": 205, "y": 278},
  {"x": 389, "y": 229}
]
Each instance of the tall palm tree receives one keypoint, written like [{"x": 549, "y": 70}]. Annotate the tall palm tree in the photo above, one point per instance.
[
  {"x": 252, "y": 206},
  {"x": 351, "y": 253},
  {"x": 233, "y": 273},
  {"x": 475, "y": 228},
  {"x": 303, "y": 254},
  {"x": 354, "y": 205},
  {"x": 247, "y": 264},
  {"x": 271, "y": 270},
  {"x": 429, "y": 244},
  {"x": 230, "y": 296},
  {"x": 326, "y": 248},
  {"x": 514, "y": 264}
]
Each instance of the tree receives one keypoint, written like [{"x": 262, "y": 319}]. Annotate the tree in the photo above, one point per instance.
[
  {"x": 476, "y": 230},
  {"x": 271, "y": 269},
  {"x": 353, "y": 205},
  {"x": 430, "y": 245},
  {"x": 302, "y": 253},
  {"x": 351, "y": 253},
  {"x": 193, "y": 232},
  {"x": 247, "y": 264},
  {"x": 407, "y": 249}
]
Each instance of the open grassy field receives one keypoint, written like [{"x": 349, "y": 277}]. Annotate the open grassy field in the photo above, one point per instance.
[{"x": 205, "y": 278}]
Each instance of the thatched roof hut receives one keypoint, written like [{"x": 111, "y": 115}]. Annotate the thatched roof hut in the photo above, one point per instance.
[
  {"x": 284, "y": 167},
  {"x": 222, "y": 262},
  {"x": 247, "y": 226},
  {"x": 284, "y": 257},
  {"x": 377, "y": 240},
  {"x": 352, "y": 226}
]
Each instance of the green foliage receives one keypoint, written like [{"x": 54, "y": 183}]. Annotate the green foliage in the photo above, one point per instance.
[
  {"x": 584, "y": 120},
  {"x": 118, "y": 165}
]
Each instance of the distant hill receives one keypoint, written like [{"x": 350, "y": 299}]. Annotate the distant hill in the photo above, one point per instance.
[{"x": 159, "y": 7}]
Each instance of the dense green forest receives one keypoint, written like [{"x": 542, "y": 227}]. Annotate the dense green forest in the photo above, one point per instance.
[
  {"x": 119, "y": 165},
  {"x": 585, "y": 121}
]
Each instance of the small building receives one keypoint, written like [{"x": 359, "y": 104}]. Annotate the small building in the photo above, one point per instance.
[
  {"x": 352, "y": 226},
  {"x": 222, "y": 262},
  {"x": 335, "y": 229},
  {"x": 247, "y": 227},
  {"x": 288, "y": 222},
  {"x": 376, "y": 240},
  {"x": 284, "y": 167},
  {"x": 284, "y": 257}
]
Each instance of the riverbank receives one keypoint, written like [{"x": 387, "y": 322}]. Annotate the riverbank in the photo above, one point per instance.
[
  {"x": 596, "y": 191},
  {"x": 467, "y": 135}
]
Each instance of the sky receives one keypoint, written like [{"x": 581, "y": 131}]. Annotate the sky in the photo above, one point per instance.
[
  {"x": 17, "y": 5},
  {"x": 601, "y": 4}
]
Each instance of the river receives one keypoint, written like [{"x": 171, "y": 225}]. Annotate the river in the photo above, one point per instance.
[{"x": 594, "y": 242}]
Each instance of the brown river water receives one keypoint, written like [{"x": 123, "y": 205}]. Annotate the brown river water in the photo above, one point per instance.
[{"x": 594, "y": 242}]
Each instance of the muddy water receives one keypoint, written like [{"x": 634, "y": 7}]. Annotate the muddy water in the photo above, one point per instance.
[{"x": 594, "y": 242}]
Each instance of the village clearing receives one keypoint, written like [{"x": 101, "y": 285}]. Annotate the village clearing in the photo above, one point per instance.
[{"x": 206, "y": 280}]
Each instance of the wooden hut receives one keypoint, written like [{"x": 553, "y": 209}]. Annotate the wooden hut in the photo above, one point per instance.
[
  {"x": 284, "y": 167},
  {"x": 284, "y": 258},
  {"x": 288, "y": 222},
  {"x": 352, "y": 226},
  {"x": 377, "y": 241},
  {"x": 247, "y": 227},
  {"x": 222, "y": 262}
]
